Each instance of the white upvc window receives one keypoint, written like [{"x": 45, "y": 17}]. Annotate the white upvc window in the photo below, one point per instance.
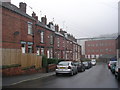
[
  {"x": 30, "y": 31},
  {"x": 23, "y": 48},
  {"x": 58, "y": 42},
  {"x": 38, "y": 51},
  {"x": 51, "y": 53},
  {"x": 42, "y": 37},
  {"x": 58, "y": 55},
  {"x": 42, "y": 51},
  {"x": 29, "y": 48},
  {"x": 63, "y": 44},
  {"x": 51, "y": 39},
  {"x": 48, "y": 54}
]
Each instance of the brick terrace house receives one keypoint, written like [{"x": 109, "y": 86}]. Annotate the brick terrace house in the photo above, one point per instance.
[
  {"x": 25, "y": 32},
  {"x": 100, "y": 48},
  {"x": 17, "y": 27}
]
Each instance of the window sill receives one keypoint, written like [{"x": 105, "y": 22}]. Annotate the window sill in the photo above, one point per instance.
[
  {"x": 30, "y": 34},
  {"x": 42, "y": 42}
]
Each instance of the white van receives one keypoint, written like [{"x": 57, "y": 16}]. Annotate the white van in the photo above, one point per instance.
[{"x": 93, "y": 62}]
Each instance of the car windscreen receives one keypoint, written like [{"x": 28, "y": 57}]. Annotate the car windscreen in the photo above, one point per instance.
[
  {"x": 76, "y": 63},
  {"x": 111, "y": 62},
  {"x": 64, "y": 63},
  {"x": 93, "y": 60},
  {"x": 85, "y": 62}
]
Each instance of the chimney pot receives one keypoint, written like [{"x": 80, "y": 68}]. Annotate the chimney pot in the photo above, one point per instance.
[
  {"x": 34, "y": 15},
  {"x": 56, "y": 28}
]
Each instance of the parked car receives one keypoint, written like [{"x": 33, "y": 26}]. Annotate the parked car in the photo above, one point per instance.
[
  {"x": 110, "y": 63},
  {"x": 66, "y": 67},
  {"x": 117, "y": 69},
  {"x": 89, "y": 64},
  {"x": 80, "y": 66},
  {"x": 86, "y": 65},
  {"x": 93, "y": 62},
  {"x": 113, "y": 65}
]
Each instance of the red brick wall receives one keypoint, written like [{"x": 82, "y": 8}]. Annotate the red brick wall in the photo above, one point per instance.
[
  {"x": 11, "y": 23},
  {"x": 107, "y": 44}
]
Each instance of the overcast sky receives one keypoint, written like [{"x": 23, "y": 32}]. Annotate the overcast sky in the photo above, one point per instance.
[{"x": 82, "y": 18}]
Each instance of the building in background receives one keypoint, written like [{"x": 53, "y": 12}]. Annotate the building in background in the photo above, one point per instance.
[
  {"x": 81, "y": 42},
  {"x": 100, "y": 48}
]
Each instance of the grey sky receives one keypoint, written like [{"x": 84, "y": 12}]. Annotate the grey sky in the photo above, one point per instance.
[{"x": 82, "y": 18}]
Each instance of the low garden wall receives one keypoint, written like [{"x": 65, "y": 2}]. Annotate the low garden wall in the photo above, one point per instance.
[{"x": 18, "y": 70}]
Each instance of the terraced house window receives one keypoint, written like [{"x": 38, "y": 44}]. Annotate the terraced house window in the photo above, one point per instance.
[
  {"x": 63, "y": 44},
  {"x": 30, "y": 28},
  {"x": 30, "y": 47},
  {"x": 42, "y": 37},
  {"x": 51, "y": 39},
  {"x": 58, "y": 42},
  {"x": 42, "y": 51},
  {"x": 51, "y": 53}
]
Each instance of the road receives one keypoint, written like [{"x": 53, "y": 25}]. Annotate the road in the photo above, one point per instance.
[{"x": 98, "y": 76}]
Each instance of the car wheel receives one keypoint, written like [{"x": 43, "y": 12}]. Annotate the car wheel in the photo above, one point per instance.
[
  {"x": 117, "y": 77},
  {"x": 72, "y": 73},
  {"x": 83, "y": 69},
  {"x": 56, "y": 74},
  {"x": 112, "y": 72},
  {"x": 77, "y": 72}
]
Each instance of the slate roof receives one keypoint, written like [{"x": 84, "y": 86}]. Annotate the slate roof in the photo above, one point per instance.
[
  {"x": 44, "y": 26},
  {"x": 15, "y": 9},
  {"x": 59, "y": 34}
]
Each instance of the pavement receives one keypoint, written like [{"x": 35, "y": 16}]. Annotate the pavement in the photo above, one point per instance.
[{"x": 12, "y": 80}]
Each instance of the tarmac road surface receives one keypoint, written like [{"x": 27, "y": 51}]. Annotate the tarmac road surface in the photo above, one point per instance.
[{"x": 98, "y": 76}]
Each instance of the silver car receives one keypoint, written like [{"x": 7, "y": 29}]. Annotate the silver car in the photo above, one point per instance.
[{"x": 66, "y": 67}]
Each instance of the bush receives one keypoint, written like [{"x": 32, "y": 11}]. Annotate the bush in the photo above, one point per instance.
[
  {"x": 86, "y": 59},
  {"x": 53, "y": 61},
  {"x": 46, "y": 61}
]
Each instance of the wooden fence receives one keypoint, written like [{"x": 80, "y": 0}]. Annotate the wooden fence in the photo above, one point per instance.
[{"x": 15, "y": 56}]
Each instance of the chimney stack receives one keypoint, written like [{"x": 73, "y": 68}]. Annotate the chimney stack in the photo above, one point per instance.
[
  {"x": 44, "y": 20},
  {"x": 62, "y": 32},
  {"x": 22, "y": 6},
  {"x": 34, "y": 15},
  {"x": 56, "y": 28}
]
